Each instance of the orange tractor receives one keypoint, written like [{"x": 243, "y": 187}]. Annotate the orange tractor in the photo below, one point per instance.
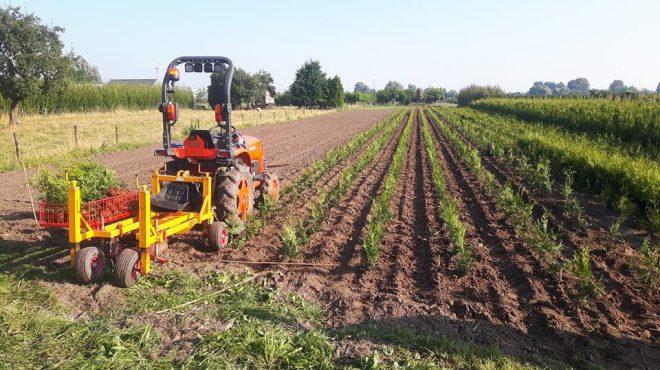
[
  {"x": 235, "y": 162},
  {"x": 211, "y": 183}
]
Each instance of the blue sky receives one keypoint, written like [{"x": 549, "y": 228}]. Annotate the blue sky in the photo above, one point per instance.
[{"x": 426, "y": 43}]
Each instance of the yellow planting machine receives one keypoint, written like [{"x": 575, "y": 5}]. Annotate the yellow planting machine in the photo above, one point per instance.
[{"x": 212, "y": 179}]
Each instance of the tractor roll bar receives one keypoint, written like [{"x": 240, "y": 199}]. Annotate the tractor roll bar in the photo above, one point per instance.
[{"x": 226, "y": 106}]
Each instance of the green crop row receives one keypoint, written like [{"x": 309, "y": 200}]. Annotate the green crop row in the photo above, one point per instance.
[
  {"x": 295, "y": 233},
  {"x": 449, "y": 211},
  {"x": 535, "y": 232},
  {"x": 380, "y": 212},
  {"x": 310, "y": 175},
  {"x": 85, "y": 98},
  {"x": 633, "y": 122},
  {"x": 599, "y": 170}
]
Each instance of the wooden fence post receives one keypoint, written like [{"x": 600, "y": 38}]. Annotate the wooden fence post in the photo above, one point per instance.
[
  {"x": 75, "y": 134},
  {"x": 18, "y": 152},
  {"x": 27, "y": 182},
  {"x": 116, "y": 134}
]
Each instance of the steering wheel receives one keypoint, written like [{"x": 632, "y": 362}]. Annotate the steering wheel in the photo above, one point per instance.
[{"x": 216, "y": 130}]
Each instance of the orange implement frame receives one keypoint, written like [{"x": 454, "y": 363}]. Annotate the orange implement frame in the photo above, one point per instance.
[{"x": 151, "y": 227}]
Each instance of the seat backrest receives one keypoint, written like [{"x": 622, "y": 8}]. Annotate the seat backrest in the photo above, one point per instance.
[{"x": 206, "y": 136}]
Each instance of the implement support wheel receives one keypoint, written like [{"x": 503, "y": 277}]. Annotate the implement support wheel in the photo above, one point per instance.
[
  {"x": 234, "y": 194},
  {"x": 127, "y": 268},
  {"x": 90, "y": 264},
  {"x": 218, "y": 237}
]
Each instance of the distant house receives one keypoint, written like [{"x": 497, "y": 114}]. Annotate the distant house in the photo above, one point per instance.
[
  {"x": 134, "y": 81},
  {"x": 269, "y": 101}
]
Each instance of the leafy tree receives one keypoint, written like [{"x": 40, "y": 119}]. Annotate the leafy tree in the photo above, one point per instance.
[
  {"x": 82, "y": 71},
  {"x": 31, "y": 59},
  {"x": 433, "y": 94},
  {"x": 561, "y": 89},
  {"x": 451, "y": 96},
  {"x": 357, "y": 97},
  {"x": 361, "y": 87},
  {"x": 579, "y": 86},
  {"x": 392, "y": 92},
  {"x": 618, "y": 87},
  {"x": 246, "y": 89},
  {"x": 475, "y": 92},
  {"x": 308, "y": 89},
  {"x": 201, "y": 95},
  {"x": 265, "y": 83},
  {"x": 283, "y": 99},
  {"x": 657, "y": 89},
  {"x": 540, "y": 89},
  {"x": 335, "y": 93},
  {"x": 243, "y": 88}
]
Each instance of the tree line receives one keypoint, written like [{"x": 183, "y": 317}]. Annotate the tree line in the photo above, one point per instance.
[
  {"x": 581, "y": 87},
  {"x": 395, "y": 93}
]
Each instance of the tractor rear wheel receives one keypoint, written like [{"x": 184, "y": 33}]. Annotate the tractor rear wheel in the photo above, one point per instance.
[
  {"x": 270, "y": 186},
  {"x": 90, "y": 265},
  {"x": 234, "y": 194},
  {"x": 127, "y": 268}
]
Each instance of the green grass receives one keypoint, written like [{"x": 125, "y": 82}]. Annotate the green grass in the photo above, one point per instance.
[
  {"x": 35, "y": 331},
  {"x": 405, "y": 348},
  {"x": 648, "y": 266},
  {"x": 246, "y": 325}
]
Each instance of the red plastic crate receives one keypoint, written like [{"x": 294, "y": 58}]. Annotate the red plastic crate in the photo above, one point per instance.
[{"x": 97, "y": 213}]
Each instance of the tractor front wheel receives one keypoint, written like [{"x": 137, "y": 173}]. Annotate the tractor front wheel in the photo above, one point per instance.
[
  {"x": 90, "y": 265},
  {"x": 127, "y": 268},
  {"x": 270, "y": 186}
]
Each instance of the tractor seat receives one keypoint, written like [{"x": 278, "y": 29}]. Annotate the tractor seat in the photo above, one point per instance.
[{"x": 205, "y": 135}]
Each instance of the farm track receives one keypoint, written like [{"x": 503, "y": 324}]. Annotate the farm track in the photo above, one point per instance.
[
  {"x": 630, "y": 308},
  {"x": 619, "y": 311}
]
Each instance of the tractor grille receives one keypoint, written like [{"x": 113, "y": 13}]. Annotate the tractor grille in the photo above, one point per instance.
[{"x": 97, "y": 213}]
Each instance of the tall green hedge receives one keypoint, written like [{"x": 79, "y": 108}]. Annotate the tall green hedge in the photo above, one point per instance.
[{"x": 77, "y": 98}]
